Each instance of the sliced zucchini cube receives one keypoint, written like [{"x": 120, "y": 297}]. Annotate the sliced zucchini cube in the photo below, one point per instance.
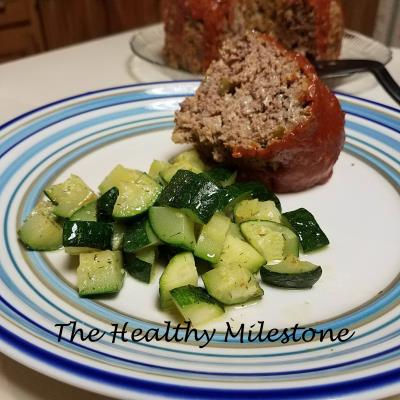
[
  {"x": 232, "y": 285},
  {"x": 69, "y": 196},
  {"x": 180, "y": 271},
  {"x": 41, "y": 231},
  {"x": 100, "y": 273},
  {"x": 196, "y": 305}
]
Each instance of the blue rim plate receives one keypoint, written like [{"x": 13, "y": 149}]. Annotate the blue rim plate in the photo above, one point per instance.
[{"x": 359, "y": 208}]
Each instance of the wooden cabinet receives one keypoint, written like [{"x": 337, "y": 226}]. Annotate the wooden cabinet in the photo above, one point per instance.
[
  {"x": 71, "y": 21},
  {"x": 20, "y": 32}
]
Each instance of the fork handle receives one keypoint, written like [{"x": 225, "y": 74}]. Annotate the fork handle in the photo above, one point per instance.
[{"x": 388, "y": 83}]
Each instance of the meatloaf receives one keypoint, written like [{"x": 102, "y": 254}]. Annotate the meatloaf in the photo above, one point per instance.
[
  {"x": 263, "y": 109},
  {"x": 195, "y": 29}
]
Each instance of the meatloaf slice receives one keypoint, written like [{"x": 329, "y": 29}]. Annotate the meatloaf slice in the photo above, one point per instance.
[{"x": 264, "y": 110}]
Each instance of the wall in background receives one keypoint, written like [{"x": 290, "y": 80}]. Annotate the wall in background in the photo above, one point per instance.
[{"x": 387, "y": 26}]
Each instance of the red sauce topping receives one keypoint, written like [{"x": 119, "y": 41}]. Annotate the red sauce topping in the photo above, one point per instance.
[{"x": 322, "y": 19}]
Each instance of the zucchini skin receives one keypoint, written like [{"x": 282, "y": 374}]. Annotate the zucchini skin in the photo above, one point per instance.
[
  {"x": 191, "y": 192},
  {"x": 221, "y": 176},
  {"x": 239, "y": 191},
  {"x": 138, "y": 268},
  {"x": 105, "y": 205},
  {"x": 307, "y": 229},
  {"x": 92, "y": 234},
  {"x": 137, "y": 237},
  {"x": 303, "y": 280}
]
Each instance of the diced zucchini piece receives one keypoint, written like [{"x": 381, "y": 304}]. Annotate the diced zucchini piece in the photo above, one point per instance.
[
  {"x": 234, "y": 230},
  {"x": 250, "y": 210},
  {"x": 142, "y": 264},
  {"x": 237, "y": 252},
  {"x": 232, "y": 284},
  {"x": 196, "y": 305},
  {"x": 117, "y": 239},
  {"x": 247, "y": 190},
  {"x": 196, "y": 195},
  {"x": 307, "y": 229},
  {"x": 116, "y": 176},
  {"x": 180, "y": 271},
  {"x": 212, "y": 236},
  {"x": 87, "y": 234},
  {"x": 105, "y": 205},
  {"x": 69, "y": 196},
  {"x": 221, "y": 176},
  {"x": 156, "y": 167},
  {"x": 100, "y": 273},
  {"x": 139, "y": 235},
  {"x": 291, "y": 273},
  {"x": 273, "y": 241},
  {"x": 190, "y": 157},
  {"x": 136, "y": 197},
  {"x": 173, "y": 227},
  {"x": 188, "y": 160},
  {"x": 86, "y": 213},
  {"x": 40, "y": 231},
  {"x": 75, "y": 251}
]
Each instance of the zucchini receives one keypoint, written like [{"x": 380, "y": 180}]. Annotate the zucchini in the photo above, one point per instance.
[
  {"x": 75, "y": 251},
  {"x": 196, "y": 195},
  {"x": 212, "y": 236},
  {"x": 291, "y": 273},
  {"x": 40, "y": 230},
  {"x": 307, "y": 229},
  {"x": 221, "y": 176},
  {"x": 190, "y": 157},
  {"x": 180, "y": 271},
  {"x": 136, "y": 197},
  {"x": 86, "y": 213},
  {"x": 100, "y": 273},
  {"x": 273, "y": 241},
  {"x": 156, "y": 167},
  {"x": 172, "y": 227},
  {"x": 248, "y": 190},
  {"x": 237, "y": 252},
  {"x": 250, "y": 210},
  {"x": 117, "y": 239},
  {"x": 96, "y": 235},
  {"x": 69, "y": 196},
  {"x": 188, "y": 160},
  {"x": 105, "y": 205},
  {"x": 234, "y": 230},
  {"x": 232, "y": 284},
  {"x": 138, "y": 236},
  {"x": 116, "y": 176},
  {"x": 142, "y": 264},
  {"x": 196, "y": 305}
]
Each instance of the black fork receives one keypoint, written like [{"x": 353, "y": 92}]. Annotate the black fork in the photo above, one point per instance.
[{"x": 339, "y": 68}]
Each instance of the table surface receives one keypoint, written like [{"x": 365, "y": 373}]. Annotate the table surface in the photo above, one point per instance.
[{"x": 37, "y": 80}]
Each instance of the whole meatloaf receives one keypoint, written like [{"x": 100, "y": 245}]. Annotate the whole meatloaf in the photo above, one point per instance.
[
  {"x": 263, "y": 109},
  {"x": 195, "y": 29}
]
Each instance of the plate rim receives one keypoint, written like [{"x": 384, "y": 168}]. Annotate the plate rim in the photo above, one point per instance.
[{"x": 71, "y": 377}]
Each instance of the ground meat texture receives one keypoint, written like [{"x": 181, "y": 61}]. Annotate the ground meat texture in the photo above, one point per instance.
[
  {"x": 195, "y": 29},
  {"x": 262, "y": 109}
]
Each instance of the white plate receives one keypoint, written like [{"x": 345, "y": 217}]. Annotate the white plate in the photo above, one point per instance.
[
  {"x": 147, "y": 43},
  {"x": 359, "y": 290}
]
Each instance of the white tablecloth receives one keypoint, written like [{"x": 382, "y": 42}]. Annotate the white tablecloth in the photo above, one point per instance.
[{"x": 37, "y": 80}]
